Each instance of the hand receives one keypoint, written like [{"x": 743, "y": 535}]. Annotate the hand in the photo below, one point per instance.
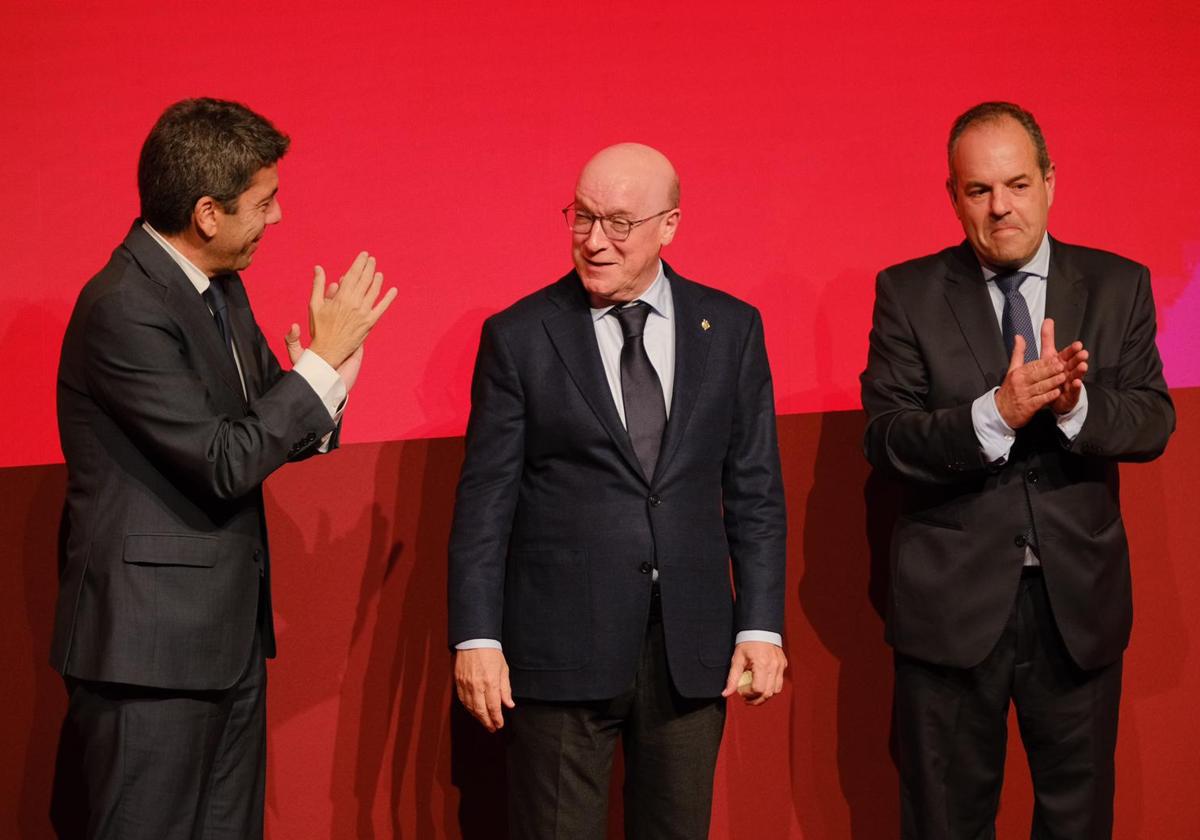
[
  {"x": 350, "y": 368},
  {"x": 1074, "y": 359},
  {"x": 292, "y": 339},
  {"x": 768, "y": 664},
  {"x": 340, "y": 323},
  {"x": 481, "y": 678},
  {"x": 1028, "y": 388}
]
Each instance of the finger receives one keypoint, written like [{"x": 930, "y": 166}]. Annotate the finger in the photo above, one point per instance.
[
  {"x": 292, "y": 341},
  {"x": 331, "y": 289},
  {"x": 381, "y": 307},
  {"x": 479, "y": 708},
  {"x": 1048, "y": 338},
  {"x": 359, "y": 278},
  {"x": 318, "y": 291},
  {"x": 506, "y": 692},
  {"x": 1018, "y": 354},
  {"x": 493, "y": 707},
  {"x": 376, "y": 285},
  {"x": 1071, "y": 350}
]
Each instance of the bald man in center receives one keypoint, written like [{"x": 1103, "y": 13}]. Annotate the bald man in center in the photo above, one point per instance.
[{"x": 618, "y": 550}]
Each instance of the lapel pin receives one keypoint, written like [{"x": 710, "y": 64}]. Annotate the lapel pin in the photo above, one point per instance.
[{"x": 704, "y": 325}]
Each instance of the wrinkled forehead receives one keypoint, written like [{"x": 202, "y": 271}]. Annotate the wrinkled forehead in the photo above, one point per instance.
[{"x": 609, "y": 190}]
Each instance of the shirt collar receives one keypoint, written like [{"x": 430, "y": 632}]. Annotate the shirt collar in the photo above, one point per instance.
[
  {"x": 1038, "y": 266},
  {"x": 197, "y": 277},
  {"x": 657, "y": 296}
]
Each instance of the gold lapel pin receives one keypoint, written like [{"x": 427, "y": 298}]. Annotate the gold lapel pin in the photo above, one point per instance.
[{"x": 704, "y": 325}]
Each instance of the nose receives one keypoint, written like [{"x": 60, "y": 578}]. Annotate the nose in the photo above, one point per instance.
[
  {"x": 274, "y": 213},
  {"x": 596, "y": 240},
  {"x": 998, "y": 204}
]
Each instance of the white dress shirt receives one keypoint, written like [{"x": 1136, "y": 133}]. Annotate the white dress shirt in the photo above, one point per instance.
[
  {"x": 995, "y": 436},
  {"x": 659, "y": 340}
]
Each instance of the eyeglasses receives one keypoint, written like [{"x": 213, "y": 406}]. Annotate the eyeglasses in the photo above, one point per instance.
[{"x": 616, "y": 229}]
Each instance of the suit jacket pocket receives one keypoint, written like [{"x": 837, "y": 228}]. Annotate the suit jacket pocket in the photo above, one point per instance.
[
  {"x": 547, "y": 614},
  {"x": 171, "y": 549}
]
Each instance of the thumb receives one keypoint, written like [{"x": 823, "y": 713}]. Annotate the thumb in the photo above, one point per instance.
[
  {"x": 1048, "y": 338},
  {"x": 1018, "y": 354},
  {"x": 292, "y": 340},
  {"x": 318, "y": 290},
  {"x": 735, "y": 673}
]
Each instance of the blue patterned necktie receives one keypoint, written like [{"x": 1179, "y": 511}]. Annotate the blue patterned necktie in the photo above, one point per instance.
[
  {"x": 645, "y": 408},
  {"x": 1015, "y": 319}
]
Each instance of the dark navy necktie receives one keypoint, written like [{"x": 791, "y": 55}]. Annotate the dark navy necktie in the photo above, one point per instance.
[
  {"x": 645, "y": 408},
  {"x": 1016, "y": 320},
  {"x": 214, "y": 296}
]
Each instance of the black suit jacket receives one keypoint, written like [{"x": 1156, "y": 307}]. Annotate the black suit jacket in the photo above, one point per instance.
[
  {"x": 164, "y": 546},
  {"x": 556, "y": 528},
  {"x": 956, "y": 556}
]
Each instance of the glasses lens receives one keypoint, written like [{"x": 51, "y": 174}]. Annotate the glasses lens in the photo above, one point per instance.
[
  {"x": 579, "y": 222},
  {"x": 617, "y": 229}
]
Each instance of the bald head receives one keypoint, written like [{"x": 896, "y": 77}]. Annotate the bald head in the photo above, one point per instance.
[
  {"x": 635, "y": 170},
  {"x": 630, "y": 183}
]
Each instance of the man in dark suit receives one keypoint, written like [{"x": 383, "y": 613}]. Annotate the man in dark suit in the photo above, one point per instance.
[
  {"x": 621, "y": 452},
  {"x": 1009, "y": 563},
  {"x": 172, "y": 411}
]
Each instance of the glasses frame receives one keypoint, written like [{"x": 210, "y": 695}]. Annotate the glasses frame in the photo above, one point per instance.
[{"x": 605, "y": 221}]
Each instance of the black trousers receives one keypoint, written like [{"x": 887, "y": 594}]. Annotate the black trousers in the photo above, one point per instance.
[
  {"x": 951, "y": 728},
  {"x": 559, "y": 758},
  {"x": 158, "y": 764}
]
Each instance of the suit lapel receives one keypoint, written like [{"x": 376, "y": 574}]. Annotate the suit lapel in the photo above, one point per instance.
[
  {"x": 188, "y": 307},
  {"x": 1066, "y": 297},
  {"x": 967, "y": 295},
  {"x": 241, "y": 321},
  {"x": 691, "y": 356},
  {"x": 574, "y": 337}
]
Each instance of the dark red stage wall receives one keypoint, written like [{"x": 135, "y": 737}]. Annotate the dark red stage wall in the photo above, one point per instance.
[
  {"x": 446, "y": 137},
  {"x": 366, "y": 742}
]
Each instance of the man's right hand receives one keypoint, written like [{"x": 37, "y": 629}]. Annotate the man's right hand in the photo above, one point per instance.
[
  {"x": 340, "y": 322},
  {"x": 481, "y": 677},
  {"x": 1028, "y": 388}
]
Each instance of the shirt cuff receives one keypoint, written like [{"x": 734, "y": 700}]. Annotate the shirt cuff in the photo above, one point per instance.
[
  {"x": 475, "y": 644},
  {"x": 995, "y": 436},
  {"x": 324, "y": 381},
  {"x": 758, "y": 636},
  {"x": 1071, "y": 423}
]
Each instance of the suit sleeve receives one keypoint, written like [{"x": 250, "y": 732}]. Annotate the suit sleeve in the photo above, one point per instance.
[
  {"x": 936, "y": 446},
  {"x": 752, "y": 493},
  {"x": 487, "y": 493},
  {"x": 139, "y": 370},
  {"x": 1130, "y": 414}
]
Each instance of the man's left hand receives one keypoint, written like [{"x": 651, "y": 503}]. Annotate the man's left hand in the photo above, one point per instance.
[
  {"x": 767, "y": 663},
  {"x": 1074, "y": 359}
]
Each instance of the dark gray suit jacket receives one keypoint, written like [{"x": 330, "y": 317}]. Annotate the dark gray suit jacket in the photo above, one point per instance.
[
  {"x": 957, "y": 549},
  {"x": 164, "y": 546},
  {"x": 556, "y": 528}
]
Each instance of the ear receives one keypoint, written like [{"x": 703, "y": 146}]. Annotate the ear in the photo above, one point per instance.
[
  {"x": 204, "y": 215},
  {"x": 951, "y": 191},
  {"x": 669, "y": 227},
  {"x": 1050, "y": 185}
]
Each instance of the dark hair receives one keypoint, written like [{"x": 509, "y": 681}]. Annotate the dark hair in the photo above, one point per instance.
[
  {"x": 202, "y": 147},
  {"x": 994, "y": 112}
]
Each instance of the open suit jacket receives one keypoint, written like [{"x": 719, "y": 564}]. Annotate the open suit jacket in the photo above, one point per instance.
[
  {"x": 164, "y": 547},
  {"x": 958, "y": 546},
  {"x": 556, "y": 529}
]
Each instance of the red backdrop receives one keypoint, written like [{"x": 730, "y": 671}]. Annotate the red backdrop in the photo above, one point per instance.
[{"x": 809, "y": 138}]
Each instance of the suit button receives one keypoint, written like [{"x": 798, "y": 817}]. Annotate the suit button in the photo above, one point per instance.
[
  {"x": 1019, "y": 540},
  {"x": 655, "y": 501},
  {"x": 1032, "y": 476},
  {"x": 646, "y": 568},
  {"x": 257, "y": 556}
]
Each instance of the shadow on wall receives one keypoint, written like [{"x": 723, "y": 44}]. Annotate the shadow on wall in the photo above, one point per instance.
[{"x": 840, "y": 735}]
